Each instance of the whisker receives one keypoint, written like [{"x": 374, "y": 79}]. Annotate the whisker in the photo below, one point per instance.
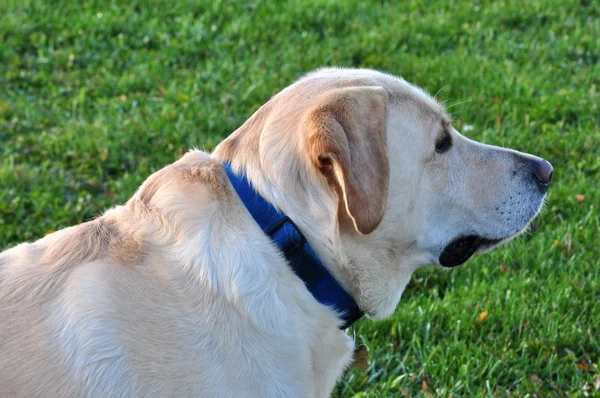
[
  {"x": 459, "y": 103},
  {"x": 436, "y": 94},
  {"x": 443, "y": 103}
]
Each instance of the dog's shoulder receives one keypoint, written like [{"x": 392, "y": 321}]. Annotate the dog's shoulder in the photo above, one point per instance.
[
  {"x": 180, "y": 198},
  {"x": 168, "y": 196},
  {"x": 196, "y": 170}
]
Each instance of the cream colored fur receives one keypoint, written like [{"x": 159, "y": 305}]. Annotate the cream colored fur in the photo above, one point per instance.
[{"x": 179, "y": 293}]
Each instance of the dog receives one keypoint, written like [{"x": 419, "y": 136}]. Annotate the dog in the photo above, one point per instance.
[{"x": 181, "y": 292}]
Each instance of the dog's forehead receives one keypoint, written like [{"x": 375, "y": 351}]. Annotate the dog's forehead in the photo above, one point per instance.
[{"x": 401, "y": 92}]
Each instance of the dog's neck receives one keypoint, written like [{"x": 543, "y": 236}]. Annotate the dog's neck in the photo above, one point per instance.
[
  {"x": 300, "y": 255},
  {"x": 312, "y": 210},
  {"x": 284, "y": 179}
]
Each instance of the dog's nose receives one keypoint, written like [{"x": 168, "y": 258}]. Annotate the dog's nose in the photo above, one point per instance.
[{"x": 543, "y": 174}]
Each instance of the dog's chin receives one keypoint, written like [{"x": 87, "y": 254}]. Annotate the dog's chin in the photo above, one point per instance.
[{"x": 462, "y": 248}]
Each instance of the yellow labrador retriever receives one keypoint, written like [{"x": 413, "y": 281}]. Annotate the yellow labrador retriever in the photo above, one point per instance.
[{"x": 182, "y": 292}]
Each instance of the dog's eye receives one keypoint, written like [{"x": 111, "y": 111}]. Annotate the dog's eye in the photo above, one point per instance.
[{"x": 443, "y": 143}]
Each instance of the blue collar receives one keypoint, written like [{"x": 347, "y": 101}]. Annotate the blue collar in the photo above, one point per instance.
[{"x": 301, "y": 257}]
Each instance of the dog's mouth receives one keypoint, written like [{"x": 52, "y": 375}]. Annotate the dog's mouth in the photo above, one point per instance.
[{"x": 462, "y": 248}]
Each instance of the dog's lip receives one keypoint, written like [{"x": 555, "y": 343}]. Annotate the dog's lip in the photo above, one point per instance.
[{"x": 462, "y": 248}]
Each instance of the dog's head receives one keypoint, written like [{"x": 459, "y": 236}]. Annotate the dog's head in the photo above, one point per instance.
[{"x": 405, "y": 188}]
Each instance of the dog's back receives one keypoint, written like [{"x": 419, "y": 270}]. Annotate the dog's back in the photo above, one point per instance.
[
  {"x": 57, "y": 310},
  {"x": 29, "y": 289},
  {"x": 153, "y": 299},
  {"x": 85, "y": 308}
]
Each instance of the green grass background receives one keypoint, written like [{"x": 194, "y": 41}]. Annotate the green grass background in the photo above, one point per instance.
[{"x": 96, "y": 95}]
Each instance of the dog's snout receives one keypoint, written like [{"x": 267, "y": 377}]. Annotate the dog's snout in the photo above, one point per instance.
[{"x": 542, "y": 173}]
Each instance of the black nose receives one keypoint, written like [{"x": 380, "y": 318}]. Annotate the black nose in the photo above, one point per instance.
[{"x": 543, "y": 174}]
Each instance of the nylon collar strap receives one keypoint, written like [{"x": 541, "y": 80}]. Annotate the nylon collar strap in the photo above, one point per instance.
[{"x": 300, "y": 255}]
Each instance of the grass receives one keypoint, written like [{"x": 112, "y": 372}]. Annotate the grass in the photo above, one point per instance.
[{"x": 96, "y": 95}]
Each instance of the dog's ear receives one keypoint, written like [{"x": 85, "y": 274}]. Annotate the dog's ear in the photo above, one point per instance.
[{"x": 346, "y": 142}]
